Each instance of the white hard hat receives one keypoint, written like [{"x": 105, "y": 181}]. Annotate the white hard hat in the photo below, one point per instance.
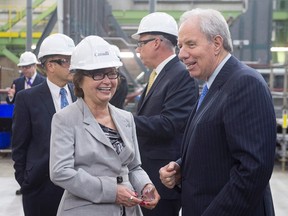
[
  {"x": 116, "y": 50},
  {"x": 157, "y": 22},
  {"x": 93, "y": 52},
  {"x": 27, "y": 58},
  {"x": 56, "y": 44}
]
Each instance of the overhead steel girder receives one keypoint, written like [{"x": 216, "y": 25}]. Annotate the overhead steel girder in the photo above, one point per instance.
[
  {"x": 16, "y": 41},
  {"x": 19, "y": 17},
  {"x": 5, "y": 52},
  {"x": 42, "y": 16}
]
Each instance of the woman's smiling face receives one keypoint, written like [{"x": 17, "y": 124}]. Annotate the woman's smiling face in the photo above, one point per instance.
[{"x": 100, "y": 85}]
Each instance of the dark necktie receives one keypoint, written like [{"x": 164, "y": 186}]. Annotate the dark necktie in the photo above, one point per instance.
[
  {"x": 64, "y": 101},
  {"x": 203, "y": 94},
  {"x": 29, "y": 83}
]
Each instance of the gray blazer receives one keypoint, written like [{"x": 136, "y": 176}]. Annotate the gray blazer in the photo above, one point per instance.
[{"x": 85, "y": 164}]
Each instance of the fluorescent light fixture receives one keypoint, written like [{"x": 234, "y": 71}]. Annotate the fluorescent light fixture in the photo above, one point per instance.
[
  {"x": 33, "y": 46},
  {"x": 240, "y": 42},
  {"x": 127, "y": 55},
  {"x": 279, "y": 49}
]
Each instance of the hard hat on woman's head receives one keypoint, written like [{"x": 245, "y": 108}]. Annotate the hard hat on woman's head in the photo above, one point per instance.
[
  {"x": 116, "y": 50},
  {"x": 56, "y": 44},
  {"x": 27, "y": 58},
  {"x": 93, "y": 52},
  {"x": 157, "y": 22}
]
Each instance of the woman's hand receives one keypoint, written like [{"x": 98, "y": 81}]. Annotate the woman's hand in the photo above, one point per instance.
[
  {"x": 127, "y": 197},
  {"x": 149, "y": 196}
]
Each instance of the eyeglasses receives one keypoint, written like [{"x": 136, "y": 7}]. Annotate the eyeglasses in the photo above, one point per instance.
[
  {"x": 96, "y": 75},
  {"x": 62, "y": 62},
  {"x": 143, "y": 42}
]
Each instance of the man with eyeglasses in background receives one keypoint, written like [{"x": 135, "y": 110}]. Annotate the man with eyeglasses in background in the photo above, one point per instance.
[
  {"x": 31, "y": 127},
  {"x": 29, "y": 76},
  {"x": 164, "y": 106}
]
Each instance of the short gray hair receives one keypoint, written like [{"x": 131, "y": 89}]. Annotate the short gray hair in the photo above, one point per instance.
[{"x": 212, "y": 23}]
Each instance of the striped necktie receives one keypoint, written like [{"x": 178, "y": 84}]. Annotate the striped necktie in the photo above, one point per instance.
[
  {"x": 203, "y": 94},
  {"x": 29, "y": 83},
  {"x": 64, "y": 101}
]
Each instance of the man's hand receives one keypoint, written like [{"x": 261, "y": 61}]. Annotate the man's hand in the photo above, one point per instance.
[
  {"x": 11, "y": 91},
  {"x": 170, "y": 174}
]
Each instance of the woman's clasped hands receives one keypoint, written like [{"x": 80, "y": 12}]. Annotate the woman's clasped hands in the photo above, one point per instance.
[{"x": 148, "y": 199}]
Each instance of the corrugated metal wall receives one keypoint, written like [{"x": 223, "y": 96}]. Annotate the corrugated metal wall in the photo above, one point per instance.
[
  {"x": 252, "y": 32},
  {"x": 86, "y": 17}
]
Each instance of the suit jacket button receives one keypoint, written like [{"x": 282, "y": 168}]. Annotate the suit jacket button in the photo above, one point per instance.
[{"x": 119, "y": 179}]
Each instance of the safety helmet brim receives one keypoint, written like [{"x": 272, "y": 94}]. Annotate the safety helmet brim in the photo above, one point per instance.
[
  {"x": 27, "y": 63},
  {"x": 96, "y": 66}
]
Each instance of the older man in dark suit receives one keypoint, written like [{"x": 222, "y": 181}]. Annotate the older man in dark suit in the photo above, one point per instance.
[
  {"x": 31, "y": 127},
  {"x": 29, "y": 76},
  {"x": 229, "y": 143},
  {"x": 164, "y": 106}
]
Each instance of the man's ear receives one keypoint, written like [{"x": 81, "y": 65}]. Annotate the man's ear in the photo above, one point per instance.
[{"x": 218, "y": 44}]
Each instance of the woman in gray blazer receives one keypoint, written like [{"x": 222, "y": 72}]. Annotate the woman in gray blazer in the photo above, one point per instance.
[{"x": 94, "y": 151}]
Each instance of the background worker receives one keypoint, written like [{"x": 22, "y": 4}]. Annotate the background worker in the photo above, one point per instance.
[
  {"x": 31, "y": 127},
  {"x": 29, "y": 76},
  {"x": 229, "y": 144},
  {"x": 164, "y": 108}
]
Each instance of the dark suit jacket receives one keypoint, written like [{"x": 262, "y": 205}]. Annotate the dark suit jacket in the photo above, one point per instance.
[
  {"x": 229, "y": 147},
  {"x": 31, "y": 128},
  {"x": 161, "y": 120},
  {"x": 119, "y": 97},
  {"x": 20, "y": 85}
]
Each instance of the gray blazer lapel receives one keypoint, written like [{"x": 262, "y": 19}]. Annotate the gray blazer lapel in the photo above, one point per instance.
[
  {"x": 124, "y": 127},
  {"x": 91, "y": 125},
  {"x": 121, "y": 123}
]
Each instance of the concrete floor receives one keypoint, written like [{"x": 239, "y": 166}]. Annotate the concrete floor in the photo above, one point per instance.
[{"x": 10, "y": 204}]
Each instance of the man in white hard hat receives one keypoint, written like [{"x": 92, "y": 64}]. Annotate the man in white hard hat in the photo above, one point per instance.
[
  {"x": 164, "y": 106},
  {"x": 31, "y": 127},
  {"x": 29, "y": 78}
]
